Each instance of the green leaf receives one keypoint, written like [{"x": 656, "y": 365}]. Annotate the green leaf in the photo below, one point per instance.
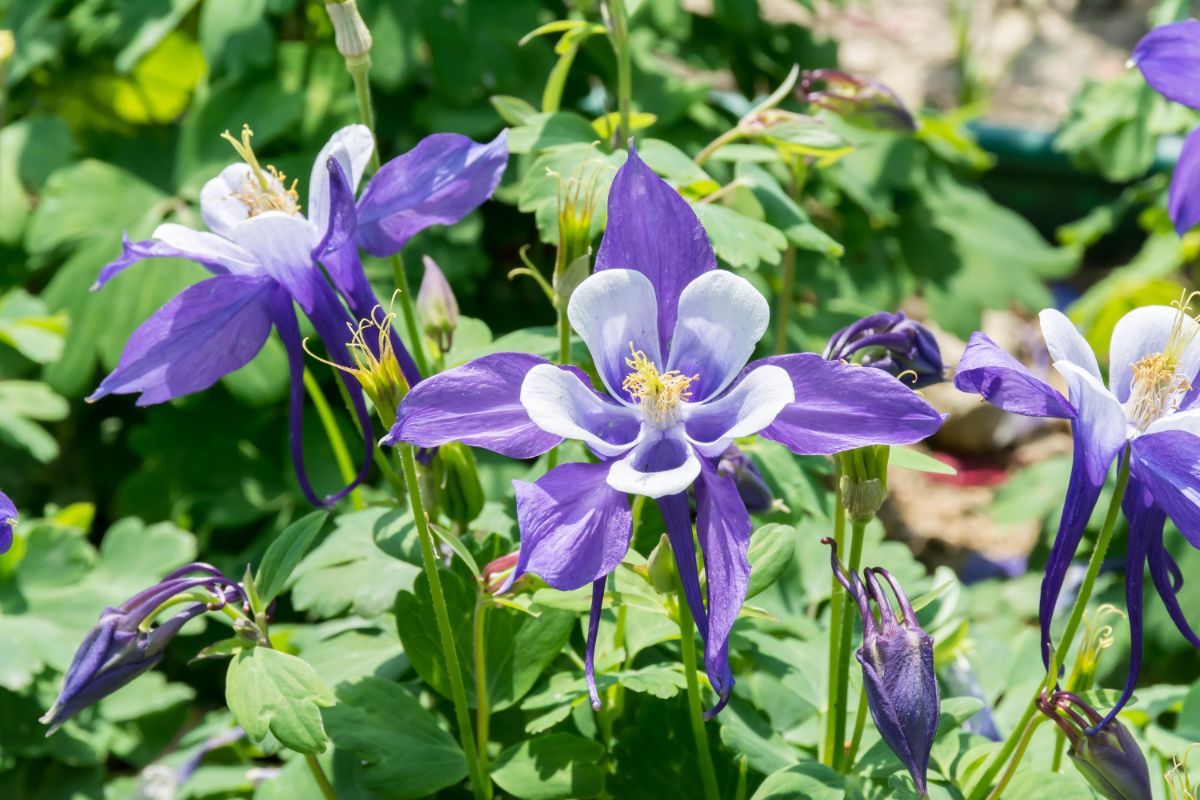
[
  {"x": 771, "y": 550},
  {"x": 607, "y": 125},
  {"x": 738, "y": 240},
  {"x": 909, "y": 458},
  {"x": 557, "y": 766},
  {"x": 270, "y": 691},
  {"x": 674, "y": 165},
  {"x": 546, "y": 130},
  {"x": 810, "y": 781},
  {"x": 513, "y": 110},
  {"x": 23, "y": 402},
  {"x": 29, "y": 327},
  {"x": 746, "y": 732},
  {"x": 285, "y": 553},
  {"x": 405, "y": 752}
]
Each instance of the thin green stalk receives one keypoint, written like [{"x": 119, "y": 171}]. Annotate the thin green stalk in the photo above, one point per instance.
[
  {"x": 381, "y": 460},
  {"x": 322, "y": 779},
  {"x": 860, "y": 724},
  {"x": 341, "y": 454},
  {"x": 1022, "y": 746},
  {"x": 480, "y": 783},
  {"x": 716, "y": 144},
  {"x": 620, "y": 42},
  {"x": 1085, "y": 593},
  {"x": 483, "y": 705},
  {"x": 836, "y": 593},
  {"x": 687, "y": 643},
  {"x": 845, "y": 646},
  {"x": 783, "y": 309}
]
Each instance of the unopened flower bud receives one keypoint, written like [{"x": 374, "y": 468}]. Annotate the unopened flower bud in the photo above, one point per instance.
[
  {"x": 459, "y": 486},
  {"x": 861, "y": 102},
  {"x": 663, "y": 574},
  {"x": 437, "y": 306},
  {"x": 124, "y": 643},
  {"x": 576, "y": 207},
  {"x": 897, "y": 661},
  {"x": 755, "y": 493},
  {"x": 8, "y": 518},
  {"x": 893, "y": 343},
  {"x": 1108, "y": 758},
  {"x": 372, "y": 346},
  {"x": 350, "y": 33},
  {"x": 862, "y": 499},
  {"x": 495, "y": 573},
  {"x": 864, "y": 480}
]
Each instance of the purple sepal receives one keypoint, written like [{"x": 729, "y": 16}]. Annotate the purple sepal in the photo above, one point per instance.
[
  {"x": 8, "y": 518},
  {"x": 1169, "y": 58},
  {"x": 677, "y": 516},
  {"x": 589, "y": 662},
  {"x": 986, "y": 370},
  {"x": 1183, "y": 199},
  {"x": 1168, "y": 464}
]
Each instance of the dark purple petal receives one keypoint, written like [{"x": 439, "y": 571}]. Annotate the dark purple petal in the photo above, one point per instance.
[
  {"x": 441, "y": 180},
  {"x": 723, "y": 529},
  {"x": 678, "y": 518},
  {"x": 341, "y": 225},
  {"x": 1168, "y": 463},
  {"x": 575, "y": 528},
  {"x": 479, "y": 404},
  {"x": 1183, "y": 200},
  {"x": 589, "y": 661},
  {"x": 1168, "y": 580},
  {"x": 653, "y": 230},
  {"x": 1169, "y": 58},
  {"x": 1004, "y": 382},
  {"x": 8, "y": 517},
  {"x": 202, "y": 334},
  {"x": 840, "y": 406}
]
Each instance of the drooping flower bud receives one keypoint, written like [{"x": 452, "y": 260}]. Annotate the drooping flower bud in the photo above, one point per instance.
[
  {"x": 350, "y": 33},
  {"x": 891, "y": 342},
  {"x": 749, "y": 481},
  {"x": 8, "y": 518},
  {"x": 437, "y": 306},
  {"x": 125, "y": 643},
  {"x": 664, "y": 575},
  {"x": 1108, "y": 758},
  {"x": 897, "y": 662},
  {"x": 861, "y": 102},
  {"x": 459, "y": 488}
]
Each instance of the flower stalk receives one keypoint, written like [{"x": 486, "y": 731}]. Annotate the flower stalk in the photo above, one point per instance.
[
  {"x": 845, "y": 646},
  {"x": 618, "y": 34},
  {"x": 837, "y": 611},
  {"x": 687, "y": 645},
  {"x": 318, "y": 773},
  {"x": 341, "y": 454}
]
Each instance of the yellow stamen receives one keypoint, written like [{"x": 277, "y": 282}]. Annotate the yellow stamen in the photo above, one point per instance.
[
  {"x": 264, "y": 190},
  {"x": 1157, "y": 388},
  {"x": 659, "y": 394}
]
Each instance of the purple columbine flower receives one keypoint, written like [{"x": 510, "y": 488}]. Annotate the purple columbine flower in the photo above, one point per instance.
[
  {"x": 265, "y": 253},
  {"x": 670, "y": 336},
  {"x": 893, "y": 343},
  {"x": 1147, "y": 410},
  {"x": 897, "y": 661},
  {"x": 1104, "y": 753},
  {"x": 123, "y": 645},
  {"x": 437, "y": 305},
  {"x": 8, "y": 518}
]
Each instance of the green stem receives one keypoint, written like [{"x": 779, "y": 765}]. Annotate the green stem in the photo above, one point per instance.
[
  {"x": 1022, "y": 746},
  {"x": 845, "y": 646},
  {"x": 619, "y": 36},
  {"x": 836, "y": 593},
  {"x": 860, "y": 723},
  {"x": 1085, "y": 593},
  {"x": 458, "y": 690},
  {"x": 341, "y": 454},
  {"x": 319, "y": 774},
  {"x": 783, "y": 310},
  {"x": 483, "y": 709},
  {"x": 716, "y": 144},
  {"x": 687, "y": 643}
]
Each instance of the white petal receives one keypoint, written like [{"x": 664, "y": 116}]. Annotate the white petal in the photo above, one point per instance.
[
  {"x": 1142, "y": 332},
  {"x": 220, "y": 209},
  {"x": 282, "y": 244},
  {"x": 352, "y": 146},
  {"x": 1066, "y": 343},
  {"x": 746, "y": 409},
  {"x": 1183, "y": 421},
  {"x": 662, "y": 464},
  {"x": 1101, "y": 419},
  {"x": 558, "y": 402},
  {"x": 611, "y": 310},
  {"x": 721, "y": 318},
  {"x": 237, "y": 260}
]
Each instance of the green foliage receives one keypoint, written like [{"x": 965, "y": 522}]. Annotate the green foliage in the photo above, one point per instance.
[{"x": 272, "y": 692}]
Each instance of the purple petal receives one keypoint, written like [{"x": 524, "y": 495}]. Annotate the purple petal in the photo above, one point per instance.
[
  {"x": 1004, "y": 382},
  {"x": 202, "y": 334},
  {"x": 663, "y": 463},
  {"x": 742, "y": 411},
  {"x": 723, "y": 529},
  {"x": 215, "y": 254},
  {"x": 678, "y": 519},
  {"x": 1168, "y": 463},
  {"x": 653, "y": 230},
  {"x": 478, "y": 404},
  {"x": 575, "y": 528},
  {"x": 349, "y": 149},
  {"x": 561, "y": 404},
  {"x": 339, "y": 222},
  {"x": 441, "y": 180},
  {"x": 839, "y": 407},
  {"x": 1169, "y": 58},
  {"x": 1146, "y": 331},
  {"x": 8, "y": 518},
  {"x": 1168, "y": 580},
  {"x": 1183, "y": 200},
  {"x": 589, "y": 661}
]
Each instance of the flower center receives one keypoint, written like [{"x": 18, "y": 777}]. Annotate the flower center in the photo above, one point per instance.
[
  {"x": 1156, "y": 388},
  {"x": 263, "y": 190},
  {"x": 658, "y": 394}
]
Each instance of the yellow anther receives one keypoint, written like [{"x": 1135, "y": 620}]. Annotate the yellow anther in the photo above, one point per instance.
[
  {"x": 1157, "y": 388},
  {"x": 263, "y": 190},
  {"x": 659, "y": 394}
]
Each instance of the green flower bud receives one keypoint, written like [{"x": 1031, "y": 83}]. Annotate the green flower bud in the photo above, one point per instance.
[
  {"x": 461, "y": 491},
  {"x": 350, "y": 33},
  {"x": 663, "y": 576}
]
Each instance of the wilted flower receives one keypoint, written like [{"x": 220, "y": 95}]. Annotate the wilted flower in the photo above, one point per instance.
[
  {"x": 862, "y": 102},
  {"x": 749, "y": 481},
  {"x": 1103, "y": 751},
  {"x": 891, "y": 342},
  {"x": 670, "y": 336},
  {"x": 897, "y": 661},
  {"x": 437, "y": 306},
  {"x": 124, "y": 644},
  {"x": 1148, "y": 411},
  {"x": 8, "y": 518}
]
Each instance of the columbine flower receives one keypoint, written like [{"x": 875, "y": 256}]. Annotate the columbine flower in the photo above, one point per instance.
[
  {"x": 124, "y": 644},
  {"x": 670, "y": 336},
  {"x": 893, "y": 343},
  {"x": 437, "y": 306},
  {"x": 1104, "y": 753},
  {"x": 862, "y": 102},
  {"x": 1148, "y": 408},
  {"x": 8, "y": 518},
  {"x": 1169, "y": 58},
  {"x": 749, "y": 481},
  {"x": 264, "y": 254},
  {"x": 897, "y": 662}
]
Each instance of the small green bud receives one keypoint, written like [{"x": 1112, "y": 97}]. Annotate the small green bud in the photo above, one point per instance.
[
  {"x": 461, "y": 491},
  {"x": 862, "y": 499},
  {"x": 350, "y": 33},
  {"x": 663, "y": 575}
]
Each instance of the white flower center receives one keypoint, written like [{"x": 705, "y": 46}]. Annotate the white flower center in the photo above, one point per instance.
[{"x": 1157, "y": 388}]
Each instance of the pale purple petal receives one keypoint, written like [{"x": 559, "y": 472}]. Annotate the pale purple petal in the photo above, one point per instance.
[
  {"x": 653, "y": 230},
  {"x": 1169, "y": 465},
  {"x": 351, "y": 149},
  {"x": 283, "y": 245},
  {"x": 1169, "y": 58},
  {"x": 742, "y": 411},
  {"x": 721, "y": 318},
  {"x": 202, "y": 334},
  {"x": 8, "y": 518},
  {"x": 339, "y": 221},
  {"x": 478, "y": 404},
  {"x": 662, "y": 463},
  {"x": 1006, "y": 383},
  {"x": 562, "y": 405},
  {"x": 210, "y": 251},
  {"x": 441, "y": 180},
  {"x": 839, "y": 407},
  {"x": 1145, "y": 331},
  {"x": 575, "y": 528},
  {"x": 1066, "y": 343},
  {"x": 1183, "y": 199},
  {"x": 1182, "y": 421},
  {"x": 615, "y": 314}
]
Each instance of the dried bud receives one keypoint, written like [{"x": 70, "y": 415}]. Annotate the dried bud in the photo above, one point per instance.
[
  {"x": 1108, "y": 758},
  {"x": 664, "y": 576},
  {"x": 897, "y": 662},
  {"x": 437, "y": 306},
  {"x": 123, "y": 644},
  {"x": 8, "y": 518},
  {"x": 861, "y": 102},
  {"x": 749, "y": 481},
  {"x": 459, "y": 486},
  {"x": 350, "y": 33},
  {"x": 893, "y": 343}
]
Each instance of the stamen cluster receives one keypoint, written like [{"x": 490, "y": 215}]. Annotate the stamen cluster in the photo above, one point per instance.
[
  {"x": 659, "y": 394},
  {"x": 263, "y": 190},
  {"x": 1157, "y": 388}
]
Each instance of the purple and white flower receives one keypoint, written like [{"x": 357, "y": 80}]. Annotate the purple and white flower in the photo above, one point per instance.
[
  {"x": 8, "y": 518},
  {"x": 1146, "y": 411},
  {"x": 670, "y": 337}
]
